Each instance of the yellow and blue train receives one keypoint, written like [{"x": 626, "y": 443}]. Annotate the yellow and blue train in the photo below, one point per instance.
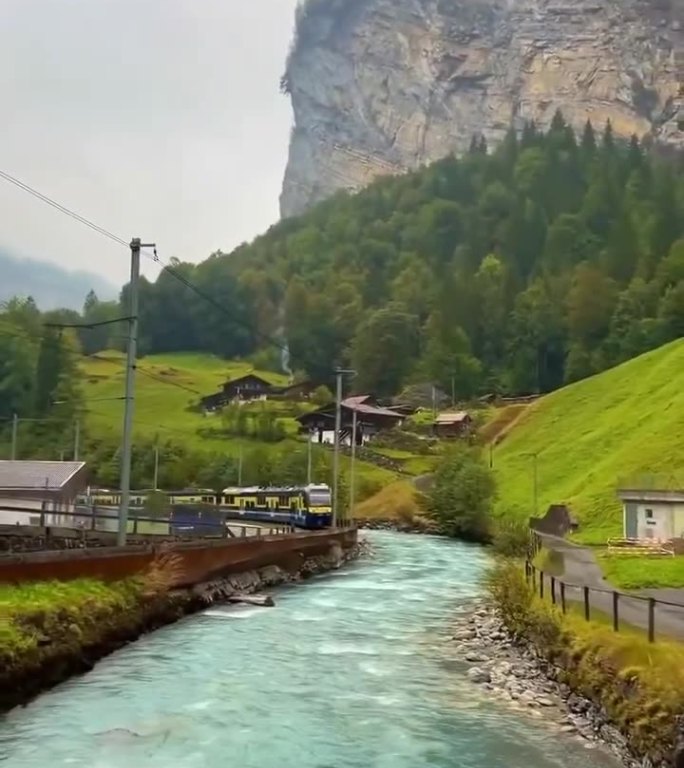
[{"x": 204, "y": 511}]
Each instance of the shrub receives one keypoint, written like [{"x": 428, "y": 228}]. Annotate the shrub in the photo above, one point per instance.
[
  {"x": 461, "y": 495},
  {"x": 511, "y": 538}
]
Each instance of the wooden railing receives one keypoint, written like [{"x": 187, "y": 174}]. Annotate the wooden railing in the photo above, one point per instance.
[{"x": 561, "y": 592}]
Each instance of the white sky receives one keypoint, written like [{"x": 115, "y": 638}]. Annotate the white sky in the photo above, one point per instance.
[{"x": 154, "y": 118}]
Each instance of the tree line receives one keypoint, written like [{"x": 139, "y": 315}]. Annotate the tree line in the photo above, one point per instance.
[
  {"x": 517, "y": 271},
  {"x": 513, "y": 271}
]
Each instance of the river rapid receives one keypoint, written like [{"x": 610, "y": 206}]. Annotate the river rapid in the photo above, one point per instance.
[{"x": 352, "y": 670}]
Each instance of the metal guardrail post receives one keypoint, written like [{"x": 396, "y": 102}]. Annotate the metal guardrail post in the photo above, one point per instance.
[
  {"x": 541, "y": 584},
  {"x": 553, "y": 590},
  {"x": 616, "y": 619},
  {"x": 651, "y": 619},
  {"x": 587, "y": 609},
  {"x": 562, "y": 596}
]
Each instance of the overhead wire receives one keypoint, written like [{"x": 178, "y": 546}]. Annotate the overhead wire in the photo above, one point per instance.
[
  {"x": 210, "y": 299},
  {"x": 62, "y": 208},
  {"x": 166, "y": 267}
]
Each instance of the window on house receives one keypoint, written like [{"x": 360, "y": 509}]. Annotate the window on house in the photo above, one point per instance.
[{"x": 649, "y": 514}]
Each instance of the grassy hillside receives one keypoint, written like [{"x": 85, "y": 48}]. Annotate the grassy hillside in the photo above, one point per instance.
[
  {"x": 627, "y": 421},
  {"x": 167, "y": 389}
]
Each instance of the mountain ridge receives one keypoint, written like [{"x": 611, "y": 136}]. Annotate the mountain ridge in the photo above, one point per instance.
[
  {"x": 385, "y": 86},
  {"x": 50, "y": 285}
]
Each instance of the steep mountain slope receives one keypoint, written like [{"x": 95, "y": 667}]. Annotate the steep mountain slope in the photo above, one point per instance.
[
  {"x": 627, "y": 422},
  {"x": 381, "y": 86},
  {"x": 49, "y": 285}
]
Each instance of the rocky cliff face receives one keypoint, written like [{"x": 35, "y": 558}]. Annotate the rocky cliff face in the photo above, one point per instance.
[{"x": 384, "y": 86}]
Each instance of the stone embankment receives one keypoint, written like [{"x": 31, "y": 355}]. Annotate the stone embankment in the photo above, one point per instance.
[
  {"x": 520, "y": 678},
  {"x": 70, "y": 651}
]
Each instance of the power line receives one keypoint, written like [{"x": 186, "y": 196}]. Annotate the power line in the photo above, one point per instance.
[
  {"x": 116, "y": 361},
  {"x": 62, "y": 209},
  {"x": 147, "y": 373},
  {"x": 208, "y": 298},
  {"x": 173, "y": 272}
]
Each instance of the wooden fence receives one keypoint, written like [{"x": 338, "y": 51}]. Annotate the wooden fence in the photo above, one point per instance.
[{"x": 561, "y": 592}]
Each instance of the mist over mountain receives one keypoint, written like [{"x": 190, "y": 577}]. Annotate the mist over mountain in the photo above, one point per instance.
[{"x": 50, "y": 285}]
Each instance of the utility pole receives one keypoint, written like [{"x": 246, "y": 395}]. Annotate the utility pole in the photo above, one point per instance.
[
  {"x": 240, "y": 468},
  {"x": 536, "y": 486},
  {"x": 15, "y": 430},
  {"x": 77, "y": 438},
  {"x": 352, "y": 477},
  {"x": 131, "y": 357},
  {"x": 336, "y": 445},
  {"x": 309, "y": 450},
  {"x": 156, "y": 466},
  {"x": 339, "y": 373}
]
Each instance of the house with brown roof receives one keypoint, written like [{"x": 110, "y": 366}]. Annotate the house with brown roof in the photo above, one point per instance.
[
  {"x": 371, "y": 418},
  {"x": 243, "y": 389},
  {"x": 453, "y": 425},
  {"x": 40, "y": 491}
]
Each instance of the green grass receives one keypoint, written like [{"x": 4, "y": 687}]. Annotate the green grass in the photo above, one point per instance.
[
  {"x": 164, "y": 404},
  {"x": 29, "y": 611},
  {"x": 625, "y": 422},
  {"x": 642, "y": 572}
]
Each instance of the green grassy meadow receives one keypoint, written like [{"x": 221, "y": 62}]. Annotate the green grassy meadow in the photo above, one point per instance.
[
  {"x": 625, "y": 422},
  {"x": 165, "y": 404},
  {"x": 642, "y": 572}
]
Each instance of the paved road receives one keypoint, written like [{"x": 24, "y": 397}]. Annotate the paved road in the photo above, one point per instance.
[{"x": 581, "y": 568}]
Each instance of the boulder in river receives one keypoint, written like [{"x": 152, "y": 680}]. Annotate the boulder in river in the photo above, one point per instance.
[{"x": 264, "y": 601}]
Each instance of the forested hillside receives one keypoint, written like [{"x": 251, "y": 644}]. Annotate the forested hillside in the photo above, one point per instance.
[
  {"x": 541, "y": 263},
  {"x": 550, "y": 259}
]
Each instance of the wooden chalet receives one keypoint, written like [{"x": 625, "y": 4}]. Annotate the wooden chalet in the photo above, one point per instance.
[
  {"x": 453, "y": 425},
  {"x": 245, "y": 389},
  {"x": 371, "y": 418},
  {"x": 301, "y": 390}
]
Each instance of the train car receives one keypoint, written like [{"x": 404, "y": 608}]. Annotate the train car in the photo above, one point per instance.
[
  {"x": 194, "y": 520},
  {"x": 193, "y": 496},
  {"x": 307, "y": 507}
]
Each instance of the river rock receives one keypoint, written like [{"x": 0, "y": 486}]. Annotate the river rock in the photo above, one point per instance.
[
  {"x": 475, "y": 657},
  {"x": 521, "y": 677},
  {"x": 264, "y": 601},
  {"x": 478, "y": 675}
]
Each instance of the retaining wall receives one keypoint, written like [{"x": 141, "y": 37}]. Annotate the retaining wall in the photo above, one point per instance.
[{"x": 198, "y": 562}]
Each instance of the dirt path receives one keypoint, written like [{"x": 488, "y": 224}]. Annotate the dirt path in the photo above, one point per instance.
[{"x": 581, "y": 569}]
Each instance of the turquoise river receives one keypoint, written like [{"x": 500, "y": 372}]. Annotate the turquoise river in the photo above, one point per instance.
[{"x": 351, "y": 670}]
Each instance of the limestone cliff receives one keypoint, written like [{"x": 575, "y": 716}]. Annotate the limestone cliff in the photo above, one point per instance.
[{"x": 382, "y": 86}]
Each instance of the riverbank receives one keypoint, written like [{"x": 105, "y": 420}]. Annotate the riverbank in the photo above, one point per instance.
[
  {"x": 606, "y": 689},
  {"x": 52, "y": 631}
]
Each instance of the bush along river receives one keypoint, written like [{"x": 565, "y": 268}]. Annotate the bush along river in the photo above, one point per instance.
[{"x": 355, "y": 669}]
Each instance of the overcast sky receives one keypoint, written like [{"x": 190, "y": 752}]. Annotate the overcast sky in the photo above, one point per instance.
[{"x": 154, "y": 118}]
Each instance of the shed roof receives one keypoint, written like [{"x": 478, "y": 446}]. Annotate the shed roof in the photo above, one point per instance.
[
  {"x": 452, "y": 418},
  {"x": 249, "y": 377},
  {"x": 37, "y": 475}
]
